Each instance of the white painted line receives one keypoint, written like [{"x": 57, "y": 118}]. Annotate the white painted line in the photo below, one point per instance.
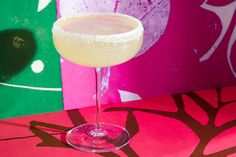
[{"x": 31, "y": 87}]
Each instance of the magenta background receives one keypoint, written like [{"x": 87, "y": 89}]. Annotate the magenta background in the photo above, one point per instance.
[{"x": 170, "y": 66}]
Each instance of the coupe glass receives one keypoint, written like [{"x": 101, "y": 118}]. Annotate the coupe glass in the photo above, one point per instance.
[{"x": 98, "y": 40}]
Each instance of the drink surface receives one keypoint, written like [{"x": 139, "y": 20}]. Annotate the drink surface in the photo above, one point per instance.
[
  {"x": 92, "y": 25},
  {"x": 98, "y": 39}
]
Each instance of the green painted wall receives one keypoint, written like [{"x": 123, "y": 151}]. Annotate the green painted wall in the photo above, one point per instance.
[{"x": 30, "y": 80}]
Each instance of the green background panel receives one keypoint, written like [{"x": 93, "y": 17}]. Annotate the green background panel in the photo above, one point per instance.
[{"x": 25, "y": 37}]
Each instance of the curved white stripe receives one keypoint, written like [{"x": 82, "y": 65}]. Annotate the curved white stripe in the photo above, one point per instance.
[
  {"x": 225, "y": 14},
  {"x": 229, "y": 51},
  {"x": 30, "y": 87}
]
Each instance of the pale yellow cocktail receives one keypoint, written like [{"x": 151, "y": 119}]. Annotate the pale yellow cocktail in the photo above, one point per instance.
[{"x": 98, "y": 39}]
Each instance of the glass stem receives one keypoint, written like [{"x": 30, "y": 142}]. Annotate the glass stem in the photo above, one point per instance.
[{"x": 98, "y": 76}]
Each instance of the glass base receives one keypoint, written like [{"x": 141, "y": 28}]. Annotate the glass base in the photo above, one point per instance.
[{"x": 88, "y": 138}]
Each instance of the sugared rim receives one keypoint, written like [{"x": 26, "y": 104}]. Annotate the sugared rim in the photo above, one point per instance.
[{"x": 126, "y": 36}]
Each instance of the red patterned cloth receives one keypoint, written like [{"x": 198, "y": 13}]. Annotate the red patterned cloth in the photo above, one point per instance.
[{"x": 196, "y": 124}]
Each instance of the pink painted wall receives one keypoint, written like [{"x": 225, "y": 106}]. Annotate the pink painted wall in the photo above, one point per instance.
[{"x": 189, "y": 45}]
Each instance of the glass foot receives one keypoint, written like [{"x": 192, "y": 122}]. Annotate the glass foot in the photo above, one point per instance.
[{"x": 88, "y": 138}]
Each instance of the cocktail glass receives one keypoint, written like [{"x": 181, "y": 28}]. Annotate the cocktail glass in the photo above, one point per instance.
[{"x": 98, "y": 40}]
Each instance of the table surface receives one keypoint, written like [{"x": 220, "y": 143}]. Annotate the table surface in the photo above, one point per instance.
[{"x": 200, "y": 123}]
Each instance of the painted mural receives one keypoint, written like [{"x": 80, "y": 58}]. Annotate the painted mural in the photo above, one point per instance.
[{"x": 189, "y": 45}]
